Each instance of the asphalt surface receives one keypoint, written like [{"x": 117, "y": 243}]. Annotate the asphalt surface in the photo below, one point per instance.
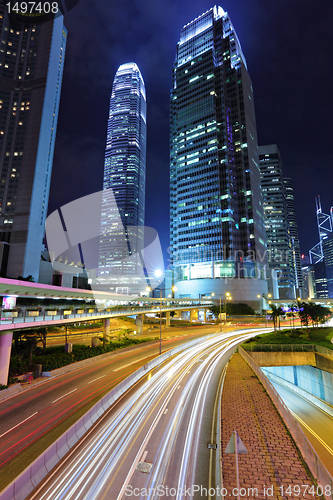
[
  {"x": 316, "y": 424},
  {"x": 31, "y": 414},
  {"x": 156, "y": 438}
]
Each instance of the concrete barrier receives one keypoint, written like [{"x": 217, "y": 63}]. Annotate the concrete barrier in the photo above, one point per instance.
[
  {"x": 7, "y": 393},
  {"x": 298, "y": 390},
  {"x": 309, "y": 454},
  {"x": 22, "y": 486}
]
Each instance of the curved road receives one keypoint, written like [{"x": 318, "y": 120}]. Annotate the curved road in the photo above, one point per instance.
[
  {"x": 32, "y": 413},
  {"x": 316, "y": 424},
  {"x": 154, "y": 441}
]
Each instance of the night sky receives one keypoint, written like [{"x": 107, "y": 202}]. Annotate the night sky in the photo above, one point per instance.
[{"x": 288, "y": 45}]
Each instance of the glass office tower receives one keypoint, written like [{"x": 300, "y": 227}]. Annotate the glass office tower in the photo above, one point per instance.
[
  {"x": 295, "y": 246},
  {"x": 217, "y": 225},
  {"x": 31, "y": 66},
  {"x": 279, "y": 243},
  {"x": 124, "y": 184}
]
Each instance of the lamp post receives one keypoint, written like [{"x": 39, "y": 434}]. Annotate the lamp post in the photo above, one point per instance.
[
  {"x": 227, "y": 297},
  {"x": 149, "y": 289},
  {"x": 265, "y": 297}
]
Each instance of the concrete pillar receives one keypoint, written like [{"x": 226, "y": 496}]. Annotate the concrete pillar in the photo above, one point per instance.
[
  {"x": 205, "y": 315},
  {"x": 193, "y": 315},
  {"x": 139, "y": 323},
  {"x": 167, "y": 321},
  {"x": 106, "y": 329},
  {"x": 6, "y": 339}
]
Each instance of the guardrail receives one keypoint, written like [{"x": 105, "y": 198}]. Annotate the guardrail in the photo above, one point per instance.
[
  {"x": 311, "y": 457},
  {"x": 326, "y": 407},
  {"x": 281, "y": 347},
  {"x": 22, "y": 486},
  {"x": 22, "y": 317},
  {"x": 218, "y": 462},
  {"x": 290, "y": 348}
]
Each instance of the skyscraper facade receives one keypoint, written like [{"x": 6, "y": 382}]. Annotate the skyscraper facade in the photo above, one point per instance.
[
  {"x": 293, "y": 229},
  {"x": 217, "y": 225},
  {"x": 31, "y": 67},
  {"x": 124, "y": 183},
  {"x": 279, "y": 248}
]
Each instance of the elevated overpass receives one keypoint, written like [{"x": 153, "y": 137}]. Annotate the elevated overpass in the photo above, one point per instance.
[{"x": 107, "y": 305}]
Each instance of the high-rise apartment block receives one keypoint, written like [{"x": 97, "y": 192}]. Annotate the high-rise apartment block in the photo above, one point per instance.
[
  {"x": 281, "y": 258},
  {"x": 124, "y": 184},
  {"x": 31, "y": 67},
  {"x": 217, "y": 225}
]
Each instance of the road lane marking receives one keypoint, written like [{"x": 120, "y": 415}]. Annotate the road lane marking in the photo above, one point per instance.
[
  {"x": 18, "y": 424},
  {"x": 321, "y": 441},
  {"x": 166, "y": 411},
  {"x": 91, "y": 381},
  {"x": 63, "y": 396},
  {"x": 129, "y": 364},
  {"x": 142, "y": 459},
  {"x": 178, "y": 387}
]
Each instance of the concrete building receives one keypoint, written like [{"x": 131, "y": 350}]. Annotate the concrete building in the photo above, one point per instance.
[
  {"x": 279, "y": 247},
  {"x": 216, "y": 222},
  {"x": 31, "y": 67}
]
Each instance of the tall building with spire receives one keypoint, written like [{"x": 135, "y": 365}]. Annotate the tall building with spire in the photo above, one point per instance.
[
  {"x": 31, "y": 67},
  {"x": 124, "y": 184},
  {"x": 217, "y": 223}
]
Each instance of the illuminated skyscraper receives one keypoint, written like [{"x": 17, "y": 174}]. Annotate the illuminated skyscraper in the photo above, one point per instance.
[
  {"x": 281, "y": 256},
  {"x": 217, "y": 225},
  {"x": 124, "y": 182},
  {"x": 293, "y": 229},
  {"x": 31, "y": 67}
]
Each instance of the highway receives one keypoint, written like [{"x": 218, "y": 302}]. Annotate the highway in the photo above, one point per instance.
[
  {"x": 316, "y": 424},
  {"x": 32, "y": 419},
  {"x": 155, "y": 439}
]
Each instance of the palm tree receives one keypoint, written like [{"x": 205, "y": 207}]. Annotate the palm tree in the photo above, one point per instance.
[{"x": 274, "y": 314}]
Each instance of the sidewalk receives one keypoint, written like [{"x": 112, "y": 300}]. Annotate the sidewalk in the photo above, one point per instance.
[{"x": 272, "y": 459}]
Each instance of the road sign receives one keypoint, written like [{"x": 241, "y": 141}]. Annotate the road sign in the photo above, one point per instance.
[
  {"x": 231, "y": 446},
  {"x": 236, "y": 446}
]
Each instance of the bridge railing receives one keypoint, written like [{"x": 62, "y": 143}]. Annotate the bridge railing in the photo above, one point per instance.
[{"x": 40, "y": 314}]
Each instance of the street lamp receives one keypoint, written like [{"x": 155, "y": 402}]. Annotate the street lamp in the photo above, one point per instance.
[
  {"x": 227, "y": 297},
  {"x": 265, "y": 297},
  {"x": 149, "y": 289}
]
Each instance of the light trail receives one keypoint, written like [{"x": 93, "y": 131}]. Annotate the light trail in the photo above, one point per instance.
[{"x": 157, "y": 421}]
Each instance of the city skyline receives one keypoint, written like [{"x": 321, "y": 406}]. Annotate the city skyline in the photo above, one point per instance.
[{"x": 281, "y": 78}]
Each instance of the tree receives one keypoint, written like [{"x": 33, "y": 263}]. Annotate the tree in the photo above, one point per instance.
[
  {"x": 292, "y": 313},
  {"x": 41, "y": 336},
  {"x": 240, "y": 309},
  {"x": 28, "y": 278},
  {"x": 304, "y": 313},
  {"x": 318, "y": 313},
  {"x": 275, "y": 314},
  {"x": 30, "y": 342}
]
